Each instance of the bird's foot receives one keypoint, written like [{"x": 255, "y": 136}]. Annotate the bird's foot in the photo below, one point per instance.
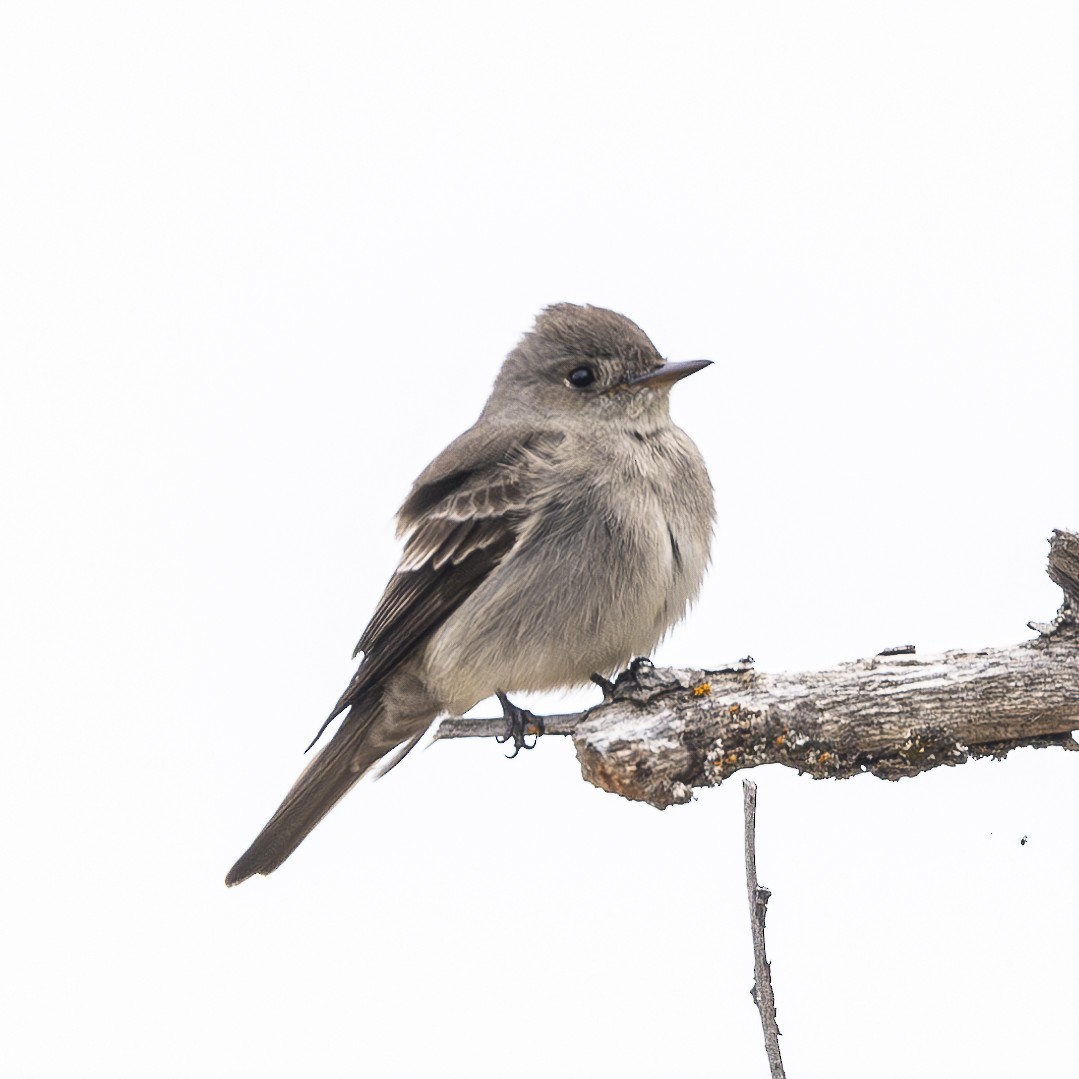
[
  {"x": 630, "y": 674},
  {"x": 604, "y": 684},
  {"x": 520, "y": 723}
]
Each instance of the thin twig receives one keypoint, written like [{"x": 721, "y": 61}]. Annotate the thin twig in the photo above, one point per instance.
[
  {"x": 758, "y": 906},
  {"x": 485, "y": 727}
]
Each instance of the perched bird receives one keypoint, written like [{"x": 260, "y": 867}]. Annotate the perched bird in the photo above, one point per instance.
[{"x": 562, "y": 534}]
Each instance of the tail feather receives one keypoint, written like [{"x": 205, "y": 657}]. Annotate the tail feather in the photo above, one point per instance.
[{"x": 359, "y": 743}]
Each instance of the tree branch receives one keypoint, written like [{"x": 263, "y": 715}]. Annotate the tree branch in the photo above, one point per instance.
[
  {"x": 664, "y": 732},
  {"x": 763, "y": 996}
]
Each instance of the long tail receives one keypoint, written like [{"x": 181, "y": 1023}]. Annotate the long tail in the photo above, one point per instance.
[{"x": 365, "y": 736}]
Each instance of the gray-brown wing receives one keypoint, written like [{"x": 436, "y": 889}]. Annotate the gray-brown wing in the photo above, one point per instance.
[{"x": 460, "y": 525}]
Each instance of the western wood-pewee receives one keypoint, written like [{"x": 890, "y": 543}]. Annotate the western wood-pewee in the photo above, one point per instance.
[{"x": 561, "y": 535}]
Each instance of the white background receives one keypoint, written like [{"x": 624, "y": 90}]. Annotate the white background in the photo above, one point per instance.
[{"x": 261, "y": 262}]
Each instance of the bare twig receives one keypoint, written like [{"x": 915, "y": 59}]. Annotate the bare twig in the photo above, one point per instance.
[
  {"x": 763, "y": 996},
  {"x": 661, "y": 733}
]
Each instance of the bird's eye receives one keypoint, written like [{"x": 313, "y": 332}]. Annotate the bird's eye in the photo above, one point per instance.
[{"x": 580, "y": 377}]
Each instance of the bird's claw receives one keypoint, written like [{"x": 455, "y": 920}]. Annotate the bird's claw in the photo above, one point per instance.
[
  {"x": 630, "y": 674},
  {"x": 605, "y": 684},
  {"x": 520, "y": 723}
]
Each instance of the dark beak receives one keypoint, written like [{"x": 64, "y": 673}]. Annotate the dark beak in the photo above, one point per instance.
[{"x": 668, "y": 373}]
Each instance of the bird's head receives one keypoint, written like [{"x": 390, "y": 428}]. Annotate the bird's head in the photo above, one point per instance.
[{"x": 587, "y": 364}]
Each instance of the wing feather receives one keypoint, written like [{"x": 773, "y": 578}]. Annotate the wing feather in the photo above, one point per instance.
[{"x": 460, "y": 524}]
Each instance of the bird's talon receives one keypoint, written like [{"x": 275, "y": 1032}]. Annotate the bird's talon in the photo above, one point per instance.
[
  {"x": 630, "y": 676},
  {"x": 520, "y": 723},
  {"x": 605, "y": 684}
]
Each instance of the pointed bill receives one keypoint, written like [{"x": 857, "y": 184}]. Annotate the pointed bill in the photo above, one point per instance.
[{"x": 668, "y": 373}]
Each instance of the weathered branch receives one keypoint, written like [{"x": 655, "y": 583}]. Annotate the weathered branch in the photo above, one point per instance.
[
  {"x": 664, "y": 732},
  {"x": 763, "y": 996}
]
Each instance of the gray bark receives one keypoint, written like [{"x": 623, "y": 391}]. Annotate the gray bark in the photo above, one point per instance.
[{"x": 664, "y": 732}]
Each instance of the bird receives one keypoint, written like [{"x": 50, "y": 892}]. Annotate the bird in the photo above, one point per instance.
[{"x": 560, "y": 536}]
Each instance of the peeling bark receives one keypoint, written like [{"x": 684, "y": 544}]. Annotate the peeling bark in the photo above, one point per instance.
[{"x": 664, "y": 732}]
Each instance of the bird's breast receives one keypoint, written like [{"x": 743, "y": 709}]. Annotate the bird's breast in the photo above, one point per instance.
[{"x": 609, "y": 556}]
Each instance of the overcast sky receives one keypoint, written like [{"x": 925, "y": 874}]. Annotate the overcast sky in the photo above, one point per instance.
[{"x": 261, "y": 262}]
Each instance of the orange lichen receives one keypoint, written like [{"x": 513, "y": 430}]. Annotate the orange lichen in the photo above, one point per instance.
[{"x": 703, "y": 689}]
